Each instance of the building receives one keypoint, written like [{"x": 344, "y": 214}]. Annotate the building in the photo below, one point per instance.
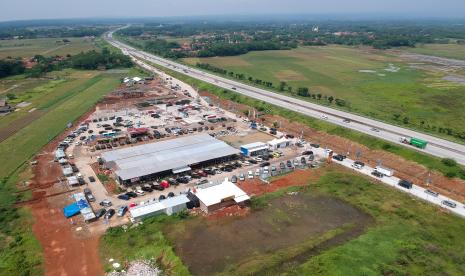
[
  {"x": 254, "y": 149},
  {"x": 155, "y": 160},
  {"x": 169, "y": 206},
  {"x": 220, "y": 196},
  {"x": 279, "y": 143}
]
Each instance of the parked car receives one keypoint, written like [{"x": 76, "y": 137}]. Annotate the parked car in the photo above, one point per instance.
[
  {"x": 241, "y": 177},
  {"x": 234, "y": 179},
  {"x": 110, "y": 212},
  {"x": 139, "y": 191},
  {"x": 161, "y": 197},
  {"x": 282, "y": 165},
  {"x": 431, "y": 193},
  {"x": 338, "y": 157},
  {"x": 105, "y": 203},
  {"x": 157, "y": 187},
  {"x": 257, "y": 172},
  {"x": 124, "y": 197},
  {"x": 100, "y": 212},
  {"x": 147, "y": 188},
  {"x": 90, "y": 197},
  {"x": 307, "y": 152},
  {"x": 358, "y": 165},
  {"x": 289, "y": 163},
  {"x": 449, "y": 203},
  {"x": 170, "y": 194},
  {"x": 377, "y": 174},
  {"x": 250, "y": 174},
  {"x": 91, "y": 179},
  {"x": 264, "y": 164},
  {"x": 131, "y": 194},
  {"x": 405, "y": 184},
  {"x": 315, "y": 145},
  {"x": 122, "y": 210}
]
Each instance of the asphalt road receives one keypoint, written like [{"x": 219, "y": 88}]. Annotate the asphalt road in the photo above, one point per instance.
[{"x": 436, "y": 146}]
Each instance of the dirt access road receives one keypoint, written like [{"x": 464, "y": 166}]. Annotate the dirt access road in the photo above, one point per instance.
[{"x": 68, "y": 247}]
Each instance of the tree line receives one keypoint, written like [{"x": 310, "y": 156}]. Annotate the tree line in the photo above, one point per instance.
[
  {"x": 90, "y": 60},
  {"x": 281, "y": 87}
]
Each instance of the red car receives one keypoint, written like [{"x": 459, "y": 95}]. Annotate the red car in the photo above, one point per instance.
[{"x": 165, "y": 184}]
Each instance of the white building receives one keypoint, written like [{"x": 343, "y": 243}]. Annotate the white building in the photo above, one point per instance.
[
  {"x": 280, "y": 143},
  {"x": 254, "y": 149},
  {"x": 169, "y": 206},
  {"x": 220, "y": 196}
]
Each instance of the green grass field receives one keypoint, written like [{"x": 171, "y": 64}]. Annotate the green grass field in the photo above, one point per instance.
[
  {"x": 339, "y": 72},
  {"x": 60, "y": 100},
  {"x": 44, "y": 46},
  {"x": 408, "y": 237},
  {"x": 431, "y": 162},
  {"x": 455, "y": 51}
]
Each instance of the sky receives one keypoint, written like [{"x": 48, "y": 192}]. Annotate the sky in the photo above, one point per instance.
[{"x": 60, "y": 9}]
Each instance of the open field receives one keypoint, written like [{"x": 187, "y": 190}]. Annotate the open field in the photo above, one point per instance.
[
  {"x": 236, "y": 244},
  {"x": 27, "y": 48},
  {"x": 372, "y": 83},
  {"x": 455, "y": 51},
  {"x": 407, "y": 236},
  {"x": 58, "y": 102}
]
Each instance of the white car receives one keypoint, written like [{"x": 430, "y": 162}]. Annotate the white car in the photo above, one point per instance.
[
  {"x": 139, "y": 191},
  {"x": 241, "y": 177},
  {"x": 246, "y": 163},
  {"x": 250, "y": 175},
  {"x": 324, "y": 117},
  {"x": 258, "y": 159},
  {"x": 266, "y": 170},
  {"x": 257, "y": 172}
]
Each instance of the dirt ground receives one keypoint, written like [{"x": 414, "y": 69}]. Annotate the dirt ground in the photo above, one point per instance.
[
  {"x": 453, "y": 188},
  {"x": 287, "y": 221},
  {"x": 68, "y": 248}
]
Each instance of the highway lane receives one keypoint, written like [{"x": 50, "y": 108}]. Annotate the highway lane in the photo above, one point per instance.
[{"x": 436, "y": 146}]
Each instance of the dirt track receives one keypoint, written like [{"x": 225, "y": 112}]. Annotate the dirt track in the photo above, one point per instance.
[{"x": 66, "y": 251}]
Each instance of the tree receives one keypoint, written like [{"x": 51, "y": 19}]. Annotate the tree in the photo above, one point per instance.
[
  {"x": 396, "y": 116},
  {"x": 318, "y": 96},
  {"x": 289, "y": 88},
  {"x": 282, "y": 85},
  {"x": 406, "y": 120},
  {"x": 330, "y": 99}
]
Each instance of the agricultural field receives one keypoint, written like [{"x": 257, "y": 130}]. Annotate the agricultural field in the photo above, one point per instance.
[
  {"x": 27, "y": 48},
  {"x": 454, "y": 51},
  {"x": 373, "y": 83},
  {"x": 339, "y": 224}
]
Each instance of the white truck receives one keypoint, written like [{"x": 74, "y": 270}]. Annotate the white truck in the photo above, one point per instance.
[{"x": 384, "y": 171}]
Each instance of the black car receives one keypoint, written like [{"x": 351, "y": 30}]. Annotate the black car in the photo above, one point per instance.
[
  {"x": 289, "y": 163},
  {"x": 315, "y": 145},
  {"x": 183, "y": 180},
  {"x": 377, "y": 174},
  {"x": 303, "y": 160},
  {"x": 405, "y": 184},
  {"x": 307, "y": 152},
  {"x": 131, "y": 194},
  {"x": 147, "y": 189},
  {"x": 100, "y": 212},
  {"x": 282, "y": 165},
  {"x": 124, "y": 197},
  {"x": 170, "y": 194},
  {"x": 161, "y": 197},
  {"x": 264, "y": 164},
  {"x": 338, "y": 157},
  {"x": 253, "y": 161},
  {"x": 109, "y": 214},
  {"x": 157, "y": 187}
]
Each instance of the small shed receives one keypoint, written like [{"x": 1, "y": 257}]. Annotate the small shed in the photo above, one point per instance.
[
  {"x": 59, "y": 154},
  {"x": 67, "y": 171},
  {"x": 73, "y": 181}
]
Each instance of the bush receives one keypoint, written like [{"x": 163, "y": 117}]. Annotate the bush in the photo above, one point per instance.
[{"x": 449, "y": 162}]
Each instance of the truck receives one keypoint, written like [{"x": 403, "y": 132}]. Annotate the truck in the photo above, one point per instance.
[
  {"x": 384, "y": 171},
  {"x": 416, "y": 142}
]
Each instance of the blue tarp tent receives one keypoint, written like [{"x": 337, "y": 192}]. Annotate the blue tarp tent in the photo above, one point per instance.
[
  {"x": 82, "y": 204},
  {"x": 71, "y": 210}
]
